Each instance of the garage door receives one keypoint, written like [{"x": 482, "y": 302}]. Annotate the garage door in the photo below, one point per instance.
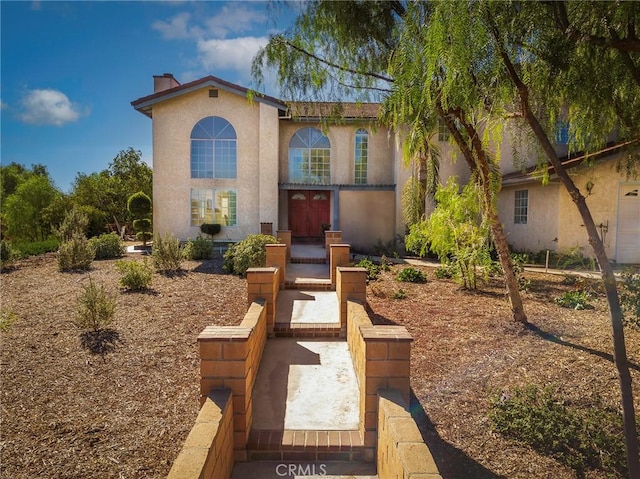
[{"x": 628, "y": 235}]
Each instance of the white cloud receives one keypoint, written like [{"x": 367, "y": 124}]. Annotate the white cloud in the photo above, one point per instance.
[
  {"x": 48, "y": 107},
  {"x": 236, "y": 18},
  {"x": 233, "y": 54},
  {"x": 177, "y": 28}
]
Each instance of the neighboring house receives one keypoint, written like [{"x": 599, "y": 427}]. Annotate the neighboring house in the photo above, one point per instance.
[{"x": 224, "y": 155}]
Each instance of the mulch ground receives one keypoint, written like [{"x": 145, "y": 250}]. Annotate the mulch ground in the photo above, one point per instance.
[{"x": 70, "y": 413}]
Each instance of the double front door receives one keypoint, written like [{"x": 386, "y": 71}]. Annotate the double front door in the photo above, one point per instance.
[{"x": 308, "y": 211}]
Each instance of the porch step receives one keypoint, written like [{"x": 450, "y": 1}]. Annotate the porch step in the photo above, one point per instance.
[
  {"x": 311, "y": 284},
  {"x": 309, "y": 446},
  {"x": 309, "y": 260},
  {"x": 307, "y": 330}
]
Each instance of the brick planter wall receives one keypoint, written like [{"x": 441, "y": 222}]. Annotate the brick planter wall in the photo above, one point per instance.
[
  {"x": 331, "y": 237},
  {"x": 208, "y": 450},
  {"x": 284, "y": 237},
  {"x": 264, "y": 284},
  {"x": 229, "y": 358},
  {"x": 277, "y": 258},
  {"x": 402, "y": 452}
]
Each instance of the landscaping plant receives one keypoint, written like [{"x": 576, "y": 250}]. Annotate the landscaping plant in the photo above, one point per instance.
[
  {"x": 248, "y": 253},
  {"x": 96, "y": 308},
  {"x": 198, "y": 249},
  {"x": 411, "y": 275},
  {"x": 166, "y": 253},
  {"x": 134, "y": 275},
  {"x": 139, "y": 205},
  {"x": 107, "y": 246},
  {"x": 76, "y": 254}
]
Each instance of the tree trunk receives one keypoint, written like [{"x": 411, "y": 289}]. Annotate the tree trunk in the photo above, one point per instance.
[
  {"x": 608, "y": 278},
  {"x": 479, "y": 164}
]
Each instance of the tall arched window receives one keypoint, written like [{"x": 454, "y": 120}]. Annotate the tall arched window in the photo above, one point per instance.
[
  {"x": 361, "y": 157},
  {"x": 309, "y": 157},
  {"x": 213, "y": 149}
]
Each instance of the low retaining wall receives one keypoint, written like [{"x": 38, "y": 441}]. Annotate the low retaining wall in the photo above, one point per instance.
[
  {"x": 402, "y": 452},
  {"x": 208, "y": 451},
  {"x": 229, "y": 358}
]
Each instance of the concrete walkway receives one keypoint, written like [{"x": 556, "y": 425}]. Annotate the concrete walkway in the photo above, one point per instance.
[{"x": 306, "y": 385}]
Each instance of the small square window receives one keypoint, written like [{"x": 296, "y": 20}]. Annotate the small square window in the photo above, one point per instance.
[
  {"x": 521, "y": 207},
  {"x": 443, "y": 130}
]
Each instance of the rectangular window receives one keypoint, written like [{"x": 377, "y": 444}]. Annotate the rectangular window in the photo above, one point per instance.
[
  {"x": 213, "y": 158},
  {"x": 361, "y": 153},
  {"x": 204, "y": 210},
  {"x": 562, "y": 133},
  {"x": 521, "y": 207},
  {"x": 443, "y": 130},
  {"x": 309, "y": 165}
]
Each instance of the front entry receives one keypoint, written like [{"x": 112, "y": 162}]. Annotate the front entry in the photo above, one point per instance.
[{"x": 308, "y": 211}]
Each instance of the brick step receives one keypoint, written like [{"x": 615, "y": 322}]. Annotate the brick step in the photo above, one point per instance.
[
  {"x": 315, "y": 285},
  {"x": 306, "y": 446},
  {"x": 309, "y": 260},
  {"x": 307, "y": 330}
]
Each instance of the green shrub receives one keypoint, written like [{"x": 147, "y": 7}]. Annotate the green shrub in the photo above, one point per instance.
[
  {"x": 412, "y": 275},
  {"x": 575, "y": 300},
  {"x": 166, "y": 253},
  {"x": 107, "y": 246},
  {"x": 582, "y": 438},
  {"x": 248, "y": 253},
  {"x": 198, "y": 249},
  {"x": 373, "y": 269},
  {"x": 444, "y": 272},
  {"x": 96, "y": 308},
  {"x": 139, "y": 205},
  {"x": 75, "y": 222},
  {"x": 630, "y": 298},
  {"x": 75, "y": 254},
  {"x": 134, "y": 275},
  {"x": 400, "y": 294},
  {"x": 7, "y": 319},
  {"x": 24, "y": 250},
  {"x": 7, "y": 254},
  {"x": 210, "y": 229}
]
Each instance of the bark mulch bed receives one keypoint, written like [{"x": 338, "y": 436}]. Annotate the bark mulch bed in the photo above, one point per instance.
[{"x": 124, "y": 413}]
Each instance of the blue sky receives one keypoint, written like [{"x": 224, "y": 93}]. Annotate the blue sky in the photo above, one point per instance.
[{"x": 71, "y": 69}]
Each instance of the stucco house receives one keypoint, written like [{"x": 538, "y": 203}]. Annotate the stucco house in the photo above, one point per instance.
[{"x": 224, "y": 155}]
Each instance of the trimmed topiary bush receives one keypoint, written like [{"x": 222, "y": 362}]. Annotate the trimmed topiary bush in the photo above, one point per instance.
[
  {"x": 210, "y": 229},
  {"x": 107, "y": 246},
  {"x": 248, "y": 253},
  {"x": 139, "y": 205}
]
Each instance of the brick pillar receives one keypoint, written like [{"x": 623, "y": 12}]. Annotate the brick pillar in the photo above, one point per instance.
[
  {"x": 262, "y": 283},
  {"x": 339, "y": 255},
  {"x": 277, "y": 258},
  {"x": 331, "y": 237},
  {"x": 284, "y": 237},
  {"x": 266, "y": 229},
  {"x": 351, "y": 284}
]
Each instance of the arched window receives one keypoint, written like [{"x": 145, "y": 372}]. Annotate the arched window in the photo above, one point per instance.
[
  {"x": 361, "y": 157},
  {"x": 213, "y": 149},
  {"x": 309, "y": 157}
]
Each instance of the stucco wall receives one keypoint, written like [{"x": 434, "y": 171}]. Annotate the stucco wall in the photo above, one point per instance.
[
  {"x": 366, "y": 217},
  {"x": 255, "y": 125},
  {"x": 552, "y": 213},
  {"x": 380, "y": 162}
]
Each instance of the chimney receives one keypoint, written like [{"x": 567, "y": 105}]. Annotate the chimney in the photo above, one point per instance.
[{"x": 164, "y": 82}]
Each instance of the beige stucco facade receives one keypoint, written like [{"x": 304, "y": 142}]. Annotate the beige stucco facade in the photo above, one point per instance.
[
  {"x": 554, "y": 222},
  {"x": 368, "y": 214}
]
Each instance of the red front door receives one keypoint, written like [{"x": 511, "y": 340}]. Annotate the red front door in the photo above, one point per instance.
[{"x": 308, "y": 210}]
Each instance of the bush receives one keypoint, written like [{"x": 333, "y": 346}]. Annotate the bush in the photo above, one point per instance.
[
  {"x": 210, "y": 229},
  {"x": 95, "y": 308},
  {"x": 7, "y": 254},
  {"x": 24, "y": 250},
  {"x": 575, "y": 300},
  {"x": 135, "y": 275},
  {"x": 445, "y": 272},
  {"x": 198, "y": 249},
  {"x": 373, "y": 269},
  {"x": 412, "y": 275},
  {"x": 75, "y": 223},
  {"x": 248, "y": 253},
  {"x": 400, "y": 294},
  {"x": 75, "y": 254},
  {"x": 166, "y": 253},
  {"x": 107, "y": 246},
  {"x": 630, "y": 298},
  {"x": 583, "y": 439}
]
